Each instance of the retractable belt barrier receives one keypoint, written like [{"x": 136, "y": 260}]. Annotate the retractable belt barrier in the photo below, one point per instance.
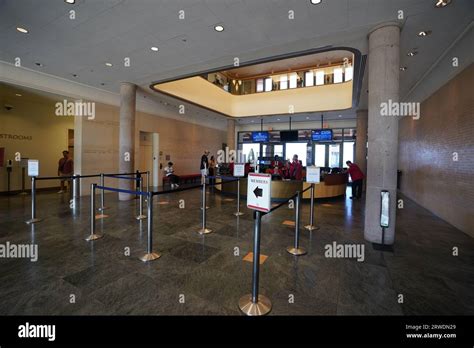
[
  {"x": 255, "y": 304},
  {"x": 35, "y": 219},
  {"x": 149, "y": 255}
]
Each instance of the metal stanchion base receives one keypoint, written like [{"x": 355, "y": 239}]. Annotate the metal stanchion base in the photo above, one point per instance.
[
  {"x": 204, "y": 231},
  {"x": 262, "y": 307},
  {"x": 150, "y": 257},
  {"x": 296, "y": 251},
  {"x": 238, "y": 213},
  {"x": 93, "y": 237},
  {"x": 141, "y": 217},
  {"x": 311, "y": 227},
  {"x": 102, "y": 208},
  {"x": 33, "y": 221},
  {"x": 206, "y": 207}
]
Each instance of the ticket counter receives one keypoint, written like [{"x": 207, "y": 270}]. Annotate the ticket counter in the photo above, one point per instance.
[{"x": 334, "y": 185}]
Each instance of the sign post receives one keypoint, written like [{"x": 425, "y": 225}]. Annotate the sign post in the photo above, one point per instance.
[
  {"x": 258, "y": 198},
  {"x": 312, "y": 176},
  {"x": 259, "y": 192},
  {"x": 33, "y": 172},
  {"x": 239, "y": 171}
]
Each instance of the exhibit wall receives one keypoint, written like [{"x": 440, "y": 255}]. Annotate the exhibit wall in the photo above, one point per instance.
[
  {"x": 436, "y": 153},
  {"x": 32, "y": 129}
]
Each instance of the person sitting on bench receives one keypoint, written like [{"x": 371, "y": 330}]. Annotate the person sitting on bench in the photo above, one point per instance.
[{"x": 169, "y": 172}]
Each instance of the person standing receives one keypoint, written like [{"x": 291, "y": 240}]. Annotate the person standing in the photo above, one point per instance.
[
  {"x": 357, "y": 178},
  {"x": 296, "y": 169},
  {"x": 204, "y": 164},
  {"x": 65, "y": 168}
]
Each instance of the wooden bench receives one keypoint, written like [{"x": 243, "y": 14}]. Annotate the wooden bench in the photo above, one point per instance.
[{"x": 183, "y": 179}]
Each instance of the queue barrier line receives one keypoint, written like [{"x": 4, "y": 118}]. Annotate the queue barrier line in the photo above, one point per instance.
[
  {"x": 255, "y": 304},
  {"x": 157, "y": 193},
  {"x": 144, "y": 193},
  {"x": 149, "y": 254},
  {"x": 121, "y": 177},
  {"x": 81, "y": 176}
]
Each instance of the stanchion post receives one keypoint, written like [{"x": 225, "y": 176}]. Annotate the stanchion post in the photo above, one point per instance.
[
  {"x": 102, "y": 194},
  {"x": 150, "y": 255},
  {"x": 93, "y": 235},
  {"x": 140, "y": 212},
  {"x": 311, "y": 226},
  {"x": 238, "y": 212},
  {"x": 296, "y": 249},
  {"x": 204, "y": 230},
  {"x": 255, "y": 304},
  {"x": 33, "y": 219}
]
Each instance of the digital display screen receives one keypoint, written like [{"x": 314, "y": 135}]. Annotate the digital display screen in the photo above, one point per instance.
[
  {"x": 260, "y": 137},
  {"x": 321, "y": 135},
  {"x": 289, "y": 135}
]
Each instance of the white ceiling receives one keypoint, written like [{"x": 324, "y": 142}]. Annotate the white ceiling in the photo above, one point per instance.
[{"x": 110, "y": 30}]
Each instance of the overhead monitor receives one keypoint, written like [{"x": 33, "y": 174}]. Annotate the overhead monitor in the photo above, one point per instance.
[{"x": 321, "y": 135}]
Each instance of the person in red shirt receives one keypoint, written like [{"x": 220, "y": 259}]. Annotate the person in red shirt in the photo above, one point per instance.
[
  {"x": 357, "y": 178},
  {"x": 296, "y": 169}
]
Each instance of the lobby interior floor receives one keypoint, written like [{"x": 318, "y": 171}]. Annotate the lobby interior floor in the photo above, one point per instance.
[{"x": 208, "y": 273}]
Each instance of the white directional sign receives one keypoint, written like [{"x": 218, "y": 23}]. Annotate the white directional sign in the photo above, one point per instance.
[
  {"x": 313, "y": 174},
  {"x": 259, "y": 192},
  {"x": 33, "y": 167},
  {"x": 239, "y": 169}
]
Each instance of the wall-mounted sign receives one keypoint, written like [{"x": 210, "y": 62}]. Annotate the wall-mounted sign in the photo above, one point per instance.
[
  {"x": 15, "y": 137},
  {"x": 384, "y": 208},
  {"x": 239, "y": 169},
  {"x": 313, "y": 174},
  {"x": 33, "y": 167},
  {"x": 259, "y": 192}
]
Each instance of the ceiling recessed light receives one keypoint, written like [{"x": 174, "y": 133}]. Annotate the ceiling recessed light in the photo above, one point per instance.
[
  {"x": 340, "y": 115},
  {"x": 70, "y": 1},
  {"x": 403, "y": 68},
  {"x": 307, "y": 117},
  {"x": 442, "y": 3},
  {"x": 219, "y": 28},
  {"x": 154, "y": 48},
  {"x": 18, "y": 94},
  {"x": 412, "y": 53},
  {"x": 108, "y": 64},
  {"x": 424, "y": 33},
  {"x": 22, "y": 30},
  {"x": 315, "y": 2},
  {"x": 278, "y": 119}
]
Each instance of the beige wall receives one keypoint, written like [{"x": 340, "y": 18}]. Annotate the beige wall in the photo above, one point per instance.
[
  {"x": 35, "y": 117},
  {"x": 183, "y": 141},
  {"x": 428, "y": 146},
  {"x": 96, "y": 141}
]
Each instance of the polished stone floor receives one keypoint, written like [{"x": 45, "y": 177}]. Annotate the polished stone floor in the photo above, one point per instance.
[{"x": 206, "y": 275}]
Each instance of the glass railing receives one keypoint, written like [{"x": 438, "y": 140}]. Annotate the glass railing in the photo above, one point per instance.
[{"x": 279, "y": 82}]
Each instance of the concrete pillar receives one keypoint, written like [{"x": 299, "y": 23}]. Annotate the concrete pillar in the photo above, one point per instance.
[
  {"x": 128, "y": 94},
  {"x": 231, "y": 134},
  {"x": 384, "y": 65},
  {"x": 361, "y": 140}
]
